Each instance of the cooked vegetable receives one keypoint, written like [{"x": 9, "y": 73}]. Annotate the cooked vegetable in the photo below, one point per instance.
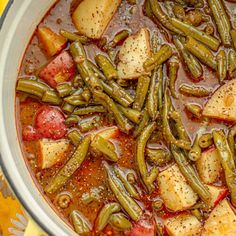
[
  {"x": 64, "y": 90},
  {"x": 221, "y": 65},
  {"x": 119, "y": 37},
  {"x": 231, "y": 63},
  {"x": 142, "y": 123},
  {"x": 205, "y": 140},
  {"x": 73, "y": 36},
  {"x": 75, "y": 137},
  {"x": 119, "y": 221},
  {"x": 231, "y": 142},
  {"x": 195, "y": 91},
  {"x": 195, "y": 109},
  {"x": 217, "y": 194},
  {"x": 195, "y": 151},
  {"x": 174, "y": 189},
  {"x": 222, "y": 103},
  {"x": 158, "y": 156},
  {"x": 133, "y": 53},
  {"x": 173, "y": 67},
  {"x": 80, "y": 222},
  {"x": 51, "y": 97},
  {"x": 91, "y": 22},
  {"x": 132, "y": 114},
  {"x": 89, "y": 124}
]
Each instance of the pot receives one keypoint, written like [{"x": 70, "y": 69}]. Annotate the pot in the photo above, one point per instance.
[{"x": 18, "y": 24}]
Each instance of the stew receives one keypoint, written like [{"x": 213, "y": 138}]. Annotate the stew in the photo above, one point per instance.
[{"x": 126, "y": 114}]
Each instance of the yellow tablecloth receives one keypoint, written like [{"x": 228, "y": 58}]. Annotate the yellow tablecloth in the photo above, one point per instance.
[{"x": 13, "y": 219}]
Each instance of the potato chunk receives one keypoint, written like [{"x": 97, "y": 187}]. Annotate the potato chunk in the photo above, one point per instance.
[
  {"x": 208, "y": 166},
  {"x": 183, "y": 225},
  {"x": 91, "y": 17},
  {"x": 217, "y": 194},
  {"x": 51, "y": 152},
  {"x": 221, "y": 221},
  {"x": 222, "y": 104},
  {"x": 175, "y": 192},
  {"x": 133, "y": 53}
]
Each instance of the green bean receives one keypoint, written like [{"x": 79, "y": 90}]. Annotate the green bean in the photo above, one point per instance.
[
  {"x": 140, "y": 155},
  {"x": 173, "y": 67},
  {"x": 75, "y": 161},
  {"x": 190, "y": 174},
  {"x": 131, "y": 178},
  {"x": 132, "y": 114},
  {"x": 195, "y": 109},
  {"x": 148, "y": 9},
  {"x": 110, "y": 105},
  {"x": 80, "y": 222},
  {"x": 158, "y": 156},
  {"x": 72, "y": 120},
  {"x": 162, "y": 17},
  {"x": 195, "y": 152},
  {"x": 68, "y": 108},
  {"x": 50, "y": 96},
  {"x": 233, "y": 35},
  {"x": 119, "y": 37},
  {"x": 32, "y": 87},
  {"x": 106, "y": 66},
  {"x": 127, "y": 203},
  {"x": 93, "y": 195},
  {"x": 129, "y": 187},
  {"x": 221, "y": 65},
  {"x": 86, "y": 95},
  {"x": 88, "y": 124},
  {"x": 201, "y": 52},
  {"x": 73, "y": 36},
  {"x": 179, "y": 11},
  {"x": 222, "y": 20},
  {"x": 227, "y": 162},
  {"x": 83, "y": 66},
  {"x": 75, "y": 100},
  {"x": 209, "y": 29},
  {"x": 77, "y": 82},
  {"x": 89, "y": 110},
  {"x": 232, "y": 63},
  {"x": 75, "y": 137},
  {"x": 194, "y": 91},
  {"x": 152, "y": 99},
  {"x": 141, "y": 92},
  {"x": 158, "y": 58},
  {"x": 104, "y": 215},
  {"x": 231, "y": 135},
  {"x": 197, "y": 34},
  {"x": 117, "y": 93},
  {"x": 97, "y": 72},
  {"x": 105, "y": 147},
  {"x": 169, "y": 137},
  {"x": 64, "y": 89},
  {"x": 160, "y": 90},
  {"x": 191, "y": 61},
  {"x": 205, "y": 140},
  {"x": 119, "y": 221},
  {"x": 142, "y": 124}
]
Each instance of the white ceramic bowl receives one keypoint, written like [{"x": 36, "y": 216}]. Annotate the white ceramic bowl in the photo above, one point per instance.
[{"x": 18, "y": 24}]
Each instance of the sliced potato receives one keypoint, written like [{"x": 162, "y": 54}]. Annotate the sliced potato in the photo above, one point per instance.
[
  {"x": 183, "y": 225},
  {"x": 106, "y": 133},
  {"x": 175, "y": 192},
  {"x": 217, "y": 194},
  {"x": 51, "y": 42},
  {"x": 221, "y": 221},
  {"x": 91, "y": 17},
  {"x": 208, "y": 166},
  {"x": 133, "y": 53},
  {"x": 222, "y": 104},
  {"x": 51, "y": 152}
]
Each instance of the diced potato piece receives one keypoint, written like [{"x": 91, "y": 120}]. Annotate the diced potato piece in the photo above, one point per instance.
[
  {"x": 183, "y": 225},
  {"x": 222, "y": 104},
  {"x": 175, "y": 192},
  {"x": 51, "y": 152},
  {"x": 208, "y": 166},
  {"x": 133, "y": 53},
  {"x": 217, "y": 194},
  {"x": 92, "y": 17},
  {"x": 107, "y": 132},
  {"x": 221, "y": 221},
  {"x": 51, "y": 42}
]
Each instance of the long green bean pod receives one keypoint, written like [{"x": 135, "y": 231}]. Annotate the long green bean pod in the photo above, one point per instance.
[
  {"x": 222, "y": 20},
  {"x": 142, "y": 124},
  {"x": 158, "y": 58},
  {"x": 106, "y": 66},
  {"x": 173, "y": 68},
  {"x": 89, "y": 124},
  {"x": 190, "y": 174},
  {"x": 140, "y": 155},
  {"x": 75, "y": 137},
  {"x": 104, "y": 215},
  {"x": 64, "y": 89},
  {"x": 81, "y": 224},
  {"x": 191, "y": 61},
  {"x": 73, "y": 36},
  {"x": 110, "y": 105},
  {"x": 89, "y": 110},
  {"x": 119, "y": 37},
  {"x": 158, "y": 157},
  {"x": 197, "y": 34},
  {"x": 194, "y": 91},
  {"x": 160, "y": 89},
  {"x": 119, "y": 221},
  {"x": 233, "y": 35},
  {"x": 129, "y": 187},
  {"x": 231, "y": 135},
  {"x": 195, "y": 109},
  {"x": 201, "y": 52},
  {"x": 162, "y": 17},
  {"x": 227, "y": 162},
  {"x": 205, "y": 140},
  {"x": 72, "y": 120},
  {"x": 141, "y": 92},
  {"x": 132, "y": 114},
  {"x": 75, "y": 100},
  {"x": 67, "y": 108},
  {"x": 195, "y": 152},
  {"x": 232, "y": 63},
  {"x": 221, "y": 65},
  {"x": 127, "y": 203},
  {"x": 51, "y": 96},
  {"x": 65, "y": 173}
]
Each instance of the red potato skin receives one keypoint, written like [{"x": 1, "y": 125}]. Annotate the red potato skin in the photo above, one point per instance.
[
  {"x": 62, "y": 65},
  {"x": 29, "y": 133},
  {"x": 224, "y": 192},
  {"x": 143, "y": 228}
]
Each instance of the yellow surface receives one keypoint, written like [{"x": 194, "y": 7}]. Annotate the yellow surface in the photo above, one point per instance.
[{"x": 2, "y": 5}]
